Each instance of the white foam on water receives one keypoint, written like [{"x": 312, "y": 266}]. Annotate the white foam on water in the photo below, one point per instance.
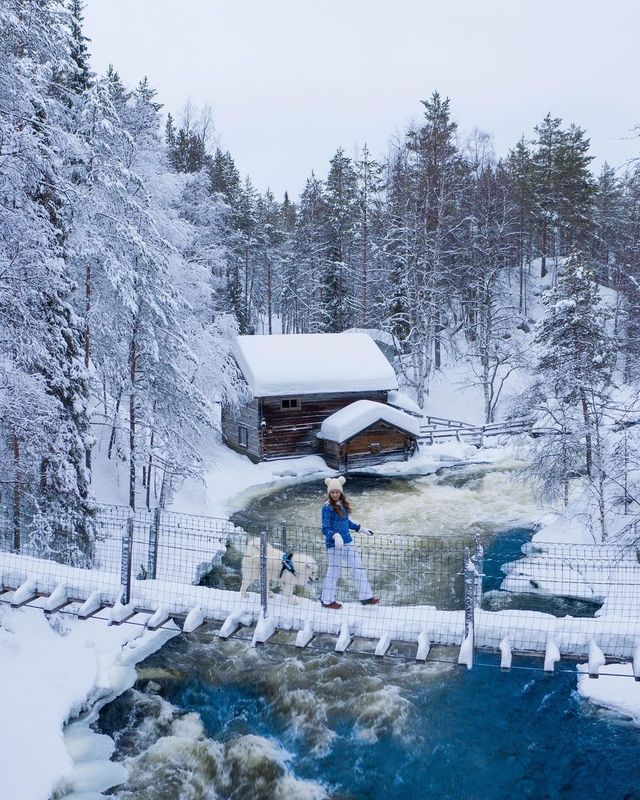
[
  {"x": 381, "y": 711},
  {"x": 188, "y": 727}
]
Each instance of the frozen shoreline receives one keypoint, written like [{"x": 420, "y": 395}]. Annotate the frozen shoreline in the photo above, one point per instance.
[{"x": 51, "y": 671}]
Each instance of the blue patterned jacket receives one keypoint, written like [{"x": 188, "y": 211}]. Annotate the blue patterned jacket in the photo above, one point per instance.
[{"x": 334, "y": 523}]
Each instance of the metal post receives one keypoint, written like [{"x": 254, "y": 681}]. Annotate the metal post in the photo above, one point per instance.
[
  {"x": 469, "y": 592},
  {"x": 283, "y": 533},
  {"x": 264, "y": 587},
  {"x": 154, "y": 534},
  {"x": 125, "y": 566},
  {"x": 478, "y": 560}
]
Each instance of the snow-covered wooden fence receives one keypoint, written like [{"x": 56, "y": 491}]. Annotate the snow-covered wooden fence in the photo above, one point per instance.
[
  {"x": 439, "y": 429},
  {"x": 152, "y": 568}
]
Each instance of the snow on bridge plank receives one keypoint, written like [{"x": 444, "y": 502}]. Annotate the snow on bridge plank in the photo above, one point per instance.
[{"x": 527, "y": 631}]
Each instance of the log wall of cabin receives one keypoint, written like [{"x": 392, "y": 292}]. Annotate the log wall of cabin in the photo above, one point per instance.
[
  {"x": 248, "y": 416},
  {"x": 293, "y": 431},
  {"x": 392, "y": 444}
]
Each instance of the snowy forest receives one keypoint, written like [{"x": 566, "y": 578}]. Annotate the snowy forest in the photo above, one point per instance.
[{"x": 132, "y": 251}]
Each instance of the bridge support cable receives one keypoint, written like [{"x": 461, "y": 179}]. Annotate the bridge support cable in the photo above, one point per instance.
[
  {"x": 126, "y": 560},
  {"x": 154, "y": 535},
  {"x": 264, "y": 581},
  {"x": 478, "y": 560},
  {"x": 471, "y": 575},
  {"x": 636, "y": 662}
]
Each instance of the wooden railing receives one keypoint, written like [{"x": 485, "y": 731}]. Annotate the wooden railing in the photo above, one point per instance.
[{"x": 434, "y": 429}]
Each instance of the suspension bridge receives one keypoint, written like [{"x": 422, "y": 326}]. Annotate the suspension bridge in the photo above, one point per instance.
[{"x": 163, "y": 569}]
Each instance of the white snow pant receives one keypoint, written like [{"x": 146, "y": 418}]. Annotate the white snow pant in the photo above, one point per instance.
[{"x": 347, "y": 555}]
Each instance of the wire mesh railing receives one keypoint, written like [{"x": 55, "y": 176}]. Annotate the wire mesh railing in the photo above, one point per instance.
[{"x": 430, "y": 590}]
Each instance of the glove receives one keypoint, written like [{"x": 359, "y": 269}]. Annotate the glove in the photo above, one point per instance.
[
  {"x": 338, "y": 541},
  {"x": 366, "y": 531}
]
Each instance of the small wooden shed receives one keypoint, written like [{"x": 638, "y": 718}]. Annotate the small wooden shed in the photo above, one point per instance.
[
  {"x": 366, "y": 433},
  {"x": 296, "y": 381}
]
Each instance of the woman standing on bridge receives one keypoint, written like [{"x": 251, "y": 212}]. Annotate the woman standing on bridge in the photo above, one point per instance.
[{"x": 337, "y": 527}]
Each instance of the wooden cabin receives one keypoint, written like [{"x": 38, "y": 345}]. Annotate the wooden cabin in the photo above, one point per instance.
[
  {"x": 366, "y": 433},
  {"x": 296, "y": 381}
]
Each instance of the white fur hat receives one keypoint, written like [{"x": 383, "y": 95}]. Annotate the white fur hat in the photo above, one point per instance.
[{"x": 335, "y": 484}]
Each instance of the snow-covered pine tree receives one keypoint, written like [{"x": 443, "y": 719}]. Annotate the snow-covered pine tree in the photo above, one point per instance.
[
  {"x": 489, "y": 311},
  {"x": 369, "y": 185},
  {"x": 563, "y": 188},
  {"x": 608, "y": 228},
  {"x": 289, "y": 306},
  {"x": 341, "y": 199},
  {"x": 398, "y": 252},
  {"x": 520, "y": 172},
  {"x": 41, "y": 342},
  {"x": 269, "y": 238},
  {"x": 576, "y": 362},
  {"x": 439, "y": 177},
  {"x": 311, "y": 259}
]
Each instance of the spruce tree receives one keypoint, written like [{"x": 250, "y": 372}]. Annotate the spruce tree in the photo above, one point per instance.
[
  {"x": 576, "y": 352},
  {"x": 341, "y": 197}
]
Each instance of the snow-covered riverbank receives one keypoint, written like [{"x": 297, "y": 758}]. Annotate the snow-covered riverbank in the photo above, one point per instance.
[{"x": 51, "y": 670}]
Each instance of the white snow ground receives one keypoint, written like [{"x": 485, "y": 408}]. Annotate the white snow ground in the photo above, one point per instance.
[{"x": 50, "y": 671}]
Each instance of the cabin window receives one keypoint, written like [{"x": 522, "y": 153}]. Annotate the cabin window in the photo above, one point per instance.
[
  {"x": 374, "y": 448},
  {"x": 243, "y": 436},
  {"x": 290, "y": 404}
]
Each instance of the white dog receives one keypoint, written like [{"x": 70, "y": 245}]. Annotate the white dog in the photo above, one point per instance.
[{"x": 305, "y": 569}]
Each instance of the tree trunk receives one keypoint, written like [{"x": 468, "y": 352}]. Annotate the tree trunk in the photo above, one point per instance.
[
  {"x": 269, "y": 296},
  {"x": 543, "y": 264},
  {"x": 132, "y": 422},
  {"x": 112, "y": 438},
  {"x": 587, "y": 436},
  {"x": 365, "y": 256},
  {"x": 149, "y": 465},
  {"x": 87, "y": 341}
]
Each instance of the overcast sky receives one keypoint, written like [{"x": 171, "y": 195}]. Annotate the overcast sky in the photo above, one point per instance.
[{"x": 290, "y": 81}]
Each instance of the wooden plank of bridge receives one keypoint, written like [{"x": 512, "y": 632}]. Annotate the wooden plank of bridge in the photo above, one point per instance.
[
  {"x": 91, "y": 606},
  {"x": 552, "y": 654},
  {"x": 195, "y": 619},
  {"x": 264, "y": 630},
  {"x": 424, "y": 645},
  {"x": 158, "y": 618},
  {"x": 25, "y": 593},
  {"x": 57, "y": 600},
  {"x": 505, "y": 657},
  {"x": 596, "y": 660},
  {"x": 305, "y": 635},
  {"x": 384, "y": 643},
  {"x": 230, "y": 625},
  {"x": 345, "y": 638},
  {"x": 120, "y": 613}
]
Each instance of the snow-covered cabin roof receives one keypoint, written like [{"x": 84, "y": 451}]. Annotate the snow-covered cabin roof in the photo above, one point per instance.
[
  {"x": 355, "y": 417},
  {"x": 313, "y": 363},
  {"x": 403, "y": 401}
]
